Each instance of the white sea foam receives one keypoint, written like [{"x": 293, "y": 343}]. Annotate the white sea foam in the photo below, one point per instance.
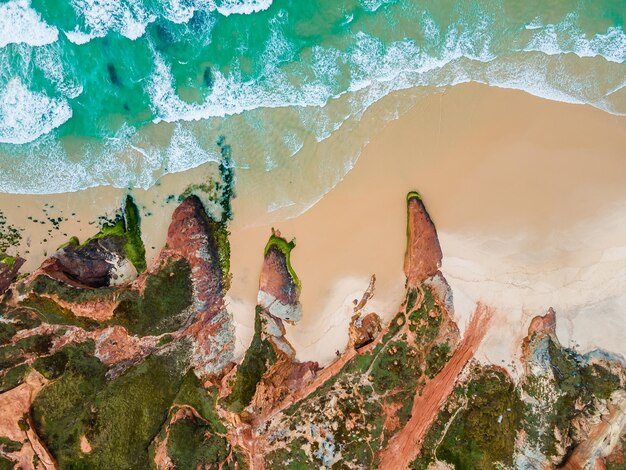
[
  {"x": 350, "y": 80},
  {"x": 20, "y": 24},
  {"x": 26, "y": 115},
  {"x": 101, "y": 16},
  {"x": 131, "y": 18},
  {"x": 567, "y": 37},
  {"x": 241, "y": 7}
]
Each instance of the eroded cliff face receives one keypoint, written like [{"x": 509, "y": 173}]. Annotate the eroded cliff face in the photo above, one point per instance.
[
  {"x": 152, "y": 358},
  {"x": 113, "y": 256},
  {"x": 423, "y": 256},
  {"x": 108, "y": 354}
]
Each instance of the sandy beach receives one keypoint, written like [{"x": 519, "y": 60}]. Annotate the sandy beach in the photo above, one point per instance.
[{"x": 524, "y": 193}]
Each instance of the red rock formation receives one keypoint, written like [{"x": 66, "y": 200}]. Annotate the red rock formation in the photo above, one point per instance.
[
  {"x": 364, "y": 330},
  {"x": 278, "y": 299},
  {"x": 540, "y": 326},
  {"x": 275, "y": 279},
  {"x": 15, "y": 406},
  {"x": 193, "y": 235},
  {"x": 423, "y": 253},
  {"x": 544, "y": 324}
]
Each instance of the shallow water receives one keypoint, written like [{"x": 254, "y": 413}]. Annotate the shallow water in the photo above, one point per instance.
[{"x": 102, "y": 92}]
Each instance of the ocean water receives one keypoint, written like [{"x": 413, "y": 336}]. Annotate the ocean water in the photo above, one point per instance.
[{"x": 121, "y": 92}]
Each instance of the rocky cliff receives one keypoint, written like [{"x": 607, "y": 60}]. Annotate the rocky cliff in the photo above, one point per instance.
[{"x": 99, "y": 370}]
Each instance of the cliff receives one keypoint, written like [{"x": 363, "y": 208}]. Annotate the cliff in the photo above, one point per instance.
[{"x": 151, "y": 356}]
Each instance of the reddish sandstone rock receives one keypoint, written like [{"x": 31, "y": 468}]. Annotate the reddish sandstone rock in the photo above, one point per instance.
[
  {"x": 202, "y": 241},
  {"x": 364, "y": 329},
  {"x": 275, "y": 279},
  {"x": 423, "y": 255}
]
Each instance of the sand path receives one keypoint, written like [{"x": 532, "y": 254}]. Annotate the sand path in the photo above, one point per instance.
[{"x": 406, "y": 445}]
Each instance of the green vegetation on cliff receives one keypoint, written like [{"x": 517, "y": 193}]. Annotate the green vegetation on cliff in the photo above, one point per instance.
[
  {"x": 192, "y": 439},
  {"x": 161, "y": 308},
  {"x": 483, "y": 432},
  {"x": 258, "y": 359},
  {"x": 118, "y": 417},
  {"x": 14, "y": 377},
  {"x": 8, "y": 260},
  {"x": 576, "y": 386},
  {"x": 354, "y": 414},
  {"x": 476, "y": 428},
  {"x": 191, "y": 444},
  {"x": 52, "y": 313},
  {"x": 45, "y": 285},
  {"x": 126, "y": 225},
  {"x": 285, "y": 248}
]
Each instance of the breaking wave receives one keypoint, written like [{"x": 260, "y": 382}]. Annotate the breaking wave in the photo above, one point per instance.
[{"x": 122, "y": 92}]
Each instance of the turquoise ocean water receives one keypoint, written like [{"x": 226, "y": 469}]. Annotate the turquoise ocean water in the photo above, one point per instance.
[{"x": 121, "y": 92}]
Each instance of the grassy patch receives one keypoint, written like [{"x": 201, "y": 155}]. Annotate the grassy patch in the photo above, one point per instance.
[
  {"x": 119, "y": 417},
  {"x": 204, "y": 401},
  {"x": 14, "y": 377},
  {"x": 395, "y": 368},
  {"x": 11, "y": 355},
  {"x": 258, "y": 359},
  {"x": 576, "y": 385},
  {"x": 51, "y": 312},
  {"x": 7, "y": 331},
  {"x": 63, "y": 410},
  {"x": 46, "y": 285},
  {"x": 6, "y": 463},
  {"x": 600, "y": 381},
  {"x": 8, "y": 445},
  {"x": 436, "y": 358},
  {"x": 484, "y": 432},
  {"x": 8, "y": 260},
  {"x": 167, "y": 295},
  {"x": 192, "y": 443}
]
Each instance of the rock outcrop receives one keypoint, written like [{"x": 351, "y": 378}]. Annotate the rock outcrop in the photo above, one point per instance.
[
  {"x": 203, "y": 242},
  {"x": 113, "y": 256},
  {"x": 97, "y": 263},
  {"x": 269, "y": 371},
  {"x": 423, "y": 252},
  {"x": 81, "y": 353}
]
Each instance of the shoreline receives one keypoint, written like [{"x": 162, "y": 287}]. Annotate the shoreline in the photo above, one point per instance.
[{"x": 559, "y": 244}]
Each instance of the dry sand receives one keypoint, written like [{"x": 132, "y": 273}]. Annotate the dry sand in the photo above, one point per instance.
[{"x": 528, "y": 196}]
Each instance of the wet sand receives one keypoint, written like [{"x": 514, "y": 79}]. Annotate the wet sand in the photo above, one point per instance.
[{"x": 528, "y": 196}]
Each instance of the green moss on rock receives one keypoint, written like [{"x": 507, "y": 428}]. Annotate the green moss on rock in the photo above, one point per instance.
[
  {"x": 7, "y": 445},
  {"x": 119, "y": 417},
  {"x": 258, "y": 359},
  {"x": 482, "y": 435},
  {"x": 285, "y": 248},
  {"x": 51, "y": 312},
  {"x": 14, "y": 377},
  {"x": 161, "y": 308}
]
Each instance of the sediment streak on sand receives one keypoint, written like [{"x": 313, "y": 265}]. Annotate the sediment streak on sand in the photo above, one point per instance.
[{"x": 406, "y": 445}]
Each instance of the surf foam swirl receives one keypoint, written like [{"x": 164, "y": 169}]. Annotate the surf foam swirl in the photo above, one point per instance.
[
  {"x": 261, "y": 71},
  {"x": 20, "y": 24},
  {"x": 26, "y": 115}
]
